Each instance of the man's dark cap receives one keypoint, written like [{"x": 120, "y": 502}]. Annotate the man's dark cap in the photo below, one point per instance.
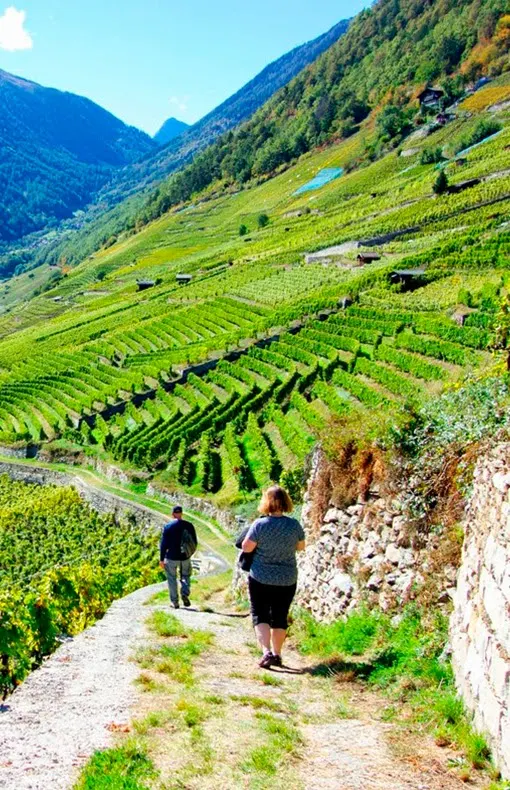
[{"x": 177, "y": 509}]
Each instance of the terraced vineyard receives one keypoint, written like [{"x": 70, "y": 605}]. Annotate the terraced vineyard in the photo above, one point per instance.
[
  {"x": 225, "y": 383},
  {"x": 61, "y": 565},
  {"x": 254, "y": 417}
]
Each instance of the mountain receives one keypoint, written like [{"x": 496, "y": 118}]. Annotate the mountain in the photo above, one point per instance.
[
  {"x": 390, "y": 51},
  {"x": 170, "y": 129},
  {"x": 56, "y": 150},
  {"x": 229, "y": 114},
  {"x": 122, "y": 198}
]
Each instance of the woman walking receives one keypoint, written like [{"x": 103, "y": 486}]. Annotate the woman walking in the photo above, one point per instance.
[{"x": 274, "y": 538}]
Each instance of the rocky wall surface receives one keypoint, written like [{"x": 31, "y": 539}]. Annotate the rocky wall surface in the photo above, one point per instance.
[
  {"x": 480, "y": 624},
  {"x": 368, "y": 553},
  {"x": 224, "y": 518}
]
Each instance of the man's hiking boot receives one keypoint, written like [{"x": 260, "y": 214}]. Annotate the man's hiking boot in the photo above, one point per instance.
[
  {"x": 276, "y": 661},
  {"x": 175, "y": 605},
  {"x": 186, "y": 601}
]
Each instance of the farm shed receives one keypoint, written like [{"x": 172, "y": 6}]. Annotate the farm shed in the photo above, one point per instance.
[
  {"x": 144, "y": 284},
  {"x": 430, "y": 96},
  {"x": 183, "y": 279},
  {"x": 368, "y": 257},
  {"x": 460, "y": 314},
  {"x": 344, "y": 302},
  {"x": 407, "y": 278}
]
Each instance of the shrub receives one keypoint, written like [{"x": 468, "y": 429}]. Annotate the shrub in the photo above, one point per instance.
[{"x": 440, "y": 185}]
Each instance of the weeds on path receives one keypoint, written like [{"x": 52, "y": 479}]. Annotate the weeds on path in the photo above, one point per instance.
[{"x": 405, "y": 658}]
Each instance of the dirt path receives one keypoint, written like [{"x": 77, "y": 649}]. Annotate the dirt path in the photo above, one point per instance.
[
  {"x": 321, "y": 734},
  {"x": 61, "y": 713}
]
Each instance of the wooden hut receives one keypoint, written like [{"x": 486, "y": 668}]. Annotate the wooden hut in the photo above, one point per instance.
[
  {"x": 430, "y": 96},
  {"x": 407, "y": 278},
  {"x": 344, "y": 302},
  {"x": 368, "y": 257},
  {"x": 183, "y": 279},
  {"x": 144, "y": 284}
]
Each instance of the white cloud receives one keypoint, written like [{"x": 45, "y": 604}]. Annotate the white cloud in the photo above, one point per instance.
[
  {"x": 13, "y": 35},
  {"x": 181, "y": 102}
]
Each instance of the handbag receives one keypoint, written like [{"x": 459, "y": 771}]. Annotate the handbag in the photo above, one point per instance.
[{"x": 245, "y": 559}]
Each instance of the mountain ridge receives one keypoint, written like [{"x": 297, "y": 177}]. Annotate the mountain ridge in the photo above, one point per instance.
[
  {"x": 60, "y": 147},
  {"x": 171, "y": 128},
  {"x": 225, "y": 116}
]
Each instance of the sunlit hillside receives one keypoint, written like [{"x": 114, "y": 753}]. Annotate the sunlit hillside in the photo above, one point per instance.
[{"x": 97, "y": 362}]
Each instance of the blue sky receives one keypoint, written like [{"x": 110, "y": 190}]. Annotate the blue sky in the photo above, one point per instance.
[{"x": 146, "y": 60}]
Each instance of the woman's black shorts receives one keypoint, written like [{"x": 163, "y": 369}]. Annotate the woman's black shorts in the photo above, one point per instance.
[{"x": 270, "y": 603}]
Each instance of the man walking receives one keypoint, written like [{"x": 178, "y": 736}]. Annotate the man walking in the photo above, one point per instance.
[{"x": 177, "y": 546}]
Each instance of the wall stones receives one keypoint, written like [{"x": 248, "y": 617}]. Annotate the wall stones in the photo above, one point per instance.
[
  {"x": 223, "y": 517},
  {"x": 361, "y": 554},
  {"x": 480, "y": 624}
]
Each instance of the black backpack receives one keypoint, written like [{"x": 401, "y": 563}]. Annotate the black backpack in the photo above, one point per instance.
[{"x": 188, "y": 544}]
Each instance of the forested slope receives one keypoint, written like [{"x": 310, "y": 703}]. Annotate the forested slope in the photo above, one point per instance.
[
  {"x": 367, "y": 80},
  {"x": 388, "y": 53},
  {"x": 56, "y": 150}
]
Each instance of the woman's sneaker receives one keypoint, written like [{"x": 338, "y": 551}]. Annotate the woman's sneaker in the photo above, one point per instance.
[{"x": 266, "y": 661}]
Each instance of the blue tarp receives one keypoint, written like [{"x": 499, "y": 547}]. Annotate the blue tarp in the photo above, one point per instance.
[
  {"x": 461, "y": 154},
  {"x": 322, "y": 178}
]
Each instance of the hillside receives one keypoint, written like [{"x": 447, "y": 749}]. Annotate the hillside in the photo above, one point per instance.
[
  {"x": 230, "y": 113},
  {"x": 125, "y": 191},
  {"x": 386, "y": 57},
  {"x": 368, "y": 79},
  {"x": 98, "y": 363},
  {"x": 171, "y": 128},
  {"x": 56, "y": 150}
]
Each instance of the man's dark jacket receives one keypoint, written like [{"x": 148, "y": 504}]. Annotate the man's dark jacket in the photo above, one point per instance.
[{"x": 171, "y": 537}]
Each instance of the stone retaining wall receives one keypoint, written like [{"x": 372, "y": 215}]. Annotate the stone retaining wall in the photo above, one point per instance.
[
  {"x": 371, "y": 553},
  {"x": 367, "y": 553},
  {"x": 223, "y": 517},
  {"x": 480, "y": 624},
  {"x": 102, "y": 501}
]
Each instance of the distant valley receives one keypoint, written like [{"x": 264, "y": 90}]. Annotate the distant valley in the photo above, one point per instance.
[{"x": 56, "y": 151}]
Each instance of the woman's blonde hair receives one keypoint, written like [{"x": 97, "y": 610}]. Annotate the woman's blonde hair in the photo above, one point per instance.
[{"x": 275, "y": 500}]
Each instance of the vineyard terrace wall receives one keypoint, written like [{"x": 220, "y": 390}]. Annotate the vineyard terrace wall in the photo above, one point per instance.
[
  {"x": 200, "y": 369},
  {"x": 480, "y": 624},
  {"x": 102, "y": 501},
  {"x": 367, "y": 553},
  {"x": 370, "y": 553},
  {"x": 108, "y": 503}
]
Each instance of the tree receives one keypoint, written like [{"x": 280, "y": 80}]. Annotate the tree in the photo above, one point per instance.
[
  {"x": 262, "y": 220},
  {"x": 440, "y": 185},
  {"x": 243, "y": 230},
  {"x": 430, "y": 156},
  {"x": 393, "y": 122}
]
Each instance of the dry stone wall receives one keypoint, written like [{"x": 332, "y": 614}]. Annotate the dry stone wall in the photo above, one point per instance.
[
  {"x": 367, "y": 553},
  {"x": 371, "y": 553},
  {"x": 480, "y": 624}
]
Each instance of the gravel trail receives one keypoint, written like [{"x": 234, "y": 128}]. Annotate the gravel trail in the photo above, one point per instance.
[{"x": 70, "y": 705}]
